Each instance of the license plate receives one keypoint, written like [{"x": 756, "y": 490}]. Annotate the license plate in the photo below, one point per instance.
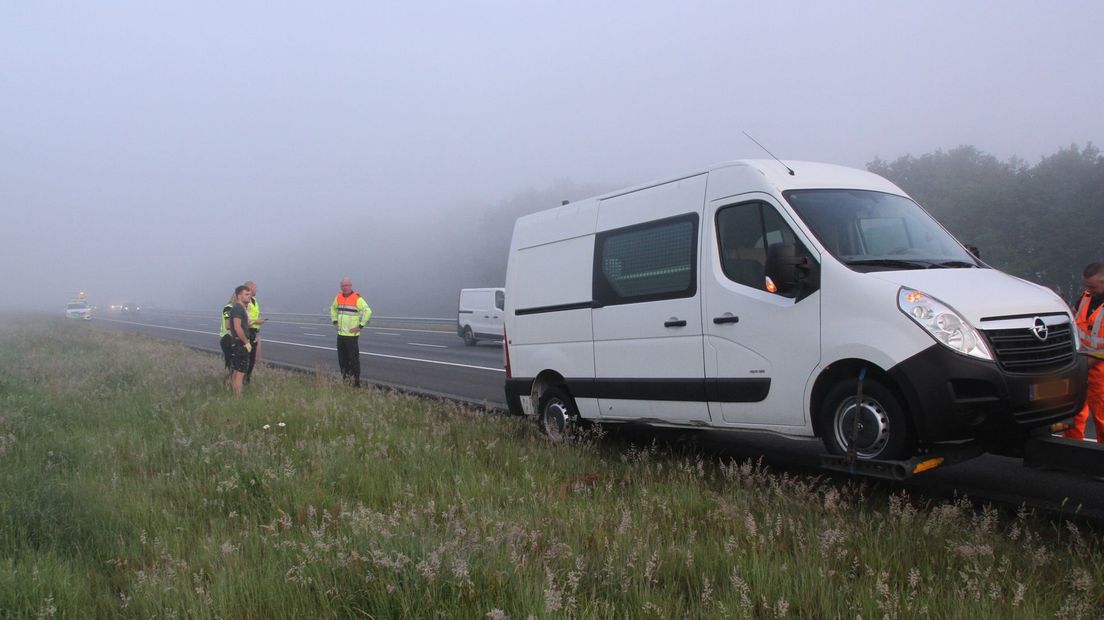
[{"x": 1050, "y": 389}]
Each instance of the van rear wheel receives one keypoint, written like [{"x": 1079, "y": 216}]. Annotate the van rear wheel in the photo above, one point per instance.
[
  {"x": 469, "y": 337},
  {"x": 557, "y": 415},
  {"x": 883, "y": 431}
]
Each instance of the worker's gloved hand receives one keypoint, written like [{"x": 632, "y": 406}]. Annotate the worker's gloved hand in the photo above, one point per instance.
[{"x": 248, "y": 348}]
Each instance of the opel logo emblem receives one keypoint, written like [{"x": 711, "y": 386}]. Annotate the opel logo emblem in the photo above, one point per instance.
[{"x": 1039, "y": 328}]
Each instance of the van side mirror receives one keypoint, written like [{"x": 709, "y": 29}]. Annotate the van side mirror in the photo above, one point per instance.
[{"x": 794, "y": 275}]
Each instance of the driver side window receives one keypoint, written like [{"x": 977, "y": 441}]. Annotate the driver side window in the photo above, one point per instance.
[{"x": 744, "y": 233}]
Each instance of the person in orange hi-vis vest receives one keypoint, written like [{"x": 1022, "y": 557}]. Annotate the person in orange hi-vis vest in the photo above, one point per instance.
[
  {"x": 1090, "y": 329},
  {"x": 350, "y": 314}
]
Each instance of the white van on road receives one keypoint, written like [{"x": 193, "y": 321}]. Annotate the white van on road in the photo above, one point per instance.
[
  {"x": 747, "y": 296},
  {"x": 480, "y": 312}
]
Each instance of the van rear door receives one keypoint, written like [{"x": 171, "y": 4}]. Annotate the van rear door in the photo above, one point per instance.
[{"x": 647, "y": 316}]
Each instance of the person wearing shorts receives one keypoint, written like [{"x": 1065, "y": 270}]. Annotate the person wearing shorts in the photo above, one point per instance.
[{"x": 240, "y": 347}]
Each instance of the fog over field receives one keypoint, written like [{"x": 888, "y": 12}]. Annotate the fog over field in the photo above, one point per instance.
[{"x": 163, "y": 152}]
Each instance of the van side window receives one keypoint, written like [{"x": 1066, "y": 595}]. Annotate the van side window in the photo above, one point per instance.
[
  {"x": 744, "y": 232},
  {"x": 647, "y": 262},
  {"x": 500, "y": 300}
]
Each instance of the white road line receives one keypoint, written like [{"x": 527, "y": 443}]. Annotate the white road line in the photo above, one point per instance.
[
  {"x": 314, "y": 346},
  {"x": 386, "y": 334},
  {"x": 414, "y": 359},
  {"x": 418, "y": 344},
  {"x": 319, "y": 335},
  {"x": 179, "y": 329}
]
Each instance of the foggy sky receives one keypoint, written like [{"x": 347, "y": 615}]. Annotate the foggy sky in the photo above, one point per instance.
[{"x": 163, "y": 152}]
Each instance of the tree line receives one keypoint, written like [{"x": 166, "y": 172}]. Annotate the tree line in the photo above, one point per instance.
[{"x": 1043, "y": 223}]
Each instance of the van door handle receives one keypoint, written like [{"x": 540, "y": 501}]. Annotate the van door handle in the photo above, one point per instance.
[
  {"x": 673, "y": 322},
  {"x": 727, "y": 318}
]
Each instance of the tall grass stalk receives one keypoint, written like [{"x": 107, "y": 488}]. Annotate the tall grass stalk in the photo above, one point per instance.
[{"x": 132, "y": 484}]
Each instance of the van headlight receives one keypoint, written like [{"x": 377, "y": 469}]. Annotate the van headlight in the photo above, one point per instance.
[{"x": 943, "y": 323}]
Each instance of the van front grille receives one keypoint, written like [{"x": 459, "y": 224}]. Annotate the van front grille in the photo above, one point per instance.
[{"x": 1019, "y": 351}]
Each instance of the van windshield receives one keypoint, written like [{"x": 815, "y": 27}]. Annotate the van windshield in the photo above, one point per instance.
[{"x": 871, "y": 231}]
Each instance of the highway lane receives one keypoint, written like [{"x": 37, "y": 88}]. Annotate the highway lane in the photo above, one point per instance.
[
  {"x": 429, "y": 361},
  {"x": 439, "y": 363}
]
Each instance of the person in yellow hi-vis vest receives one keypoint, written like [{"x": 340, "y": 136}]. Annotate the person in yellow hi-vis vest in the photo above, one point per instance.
[
  {"x": 350, "y": 314},
  {"x": 224, "y": 331},
  {"x": 255, "y": 322}
]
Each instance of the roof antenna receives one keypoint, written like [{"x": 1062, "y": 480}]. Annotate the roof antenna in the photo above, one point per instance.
[{"x": 769, "y": 153}]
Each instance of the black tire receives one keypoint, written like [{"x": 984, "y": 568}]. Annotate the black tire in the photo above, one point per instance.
[
  {"x": 557, "y": 415},
  {"x": 469, "y": 337},
  {"x": 884, "y": 432}
]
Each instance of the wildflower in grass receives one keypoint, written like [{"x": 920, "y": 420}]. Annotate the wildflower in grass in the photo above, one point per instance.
[
  {"x": 281, "y": 424},
  {"x": 1018, "y": 594},
  {"x": 460, "y": 569},
  {"x": 707, "y": 594},
  {"x": 553, "y": 599},
  {"x": 48, "y": 609},
  {"x": 651, "y": 569},
  {"x": 497, "y": 614}
]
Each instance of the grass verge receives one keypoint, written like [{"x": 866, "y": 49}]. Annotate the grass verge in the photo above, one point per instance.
[{"x": 132, "y": 484}]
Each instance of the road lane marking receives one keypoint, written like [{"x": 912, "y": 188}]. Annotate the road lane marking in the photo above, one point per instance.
[
  {"x": 436, "y": 346},
  {"x": 179, "y": 329},
  {"x": 315, "y": 346},
  {"x": 386, "y": 334},
  {"x": 321, "y": 321}
]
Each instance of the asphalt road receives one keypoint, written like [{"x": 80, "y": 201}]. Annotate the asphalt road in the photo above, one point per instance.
[
  {"x": 428, "y": 361},
  {"x": 438, "y": 363}
]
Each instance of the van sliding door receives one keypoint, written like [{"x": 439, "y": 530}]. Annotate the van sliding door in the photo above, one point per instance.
[{"x": 647, "y": 315}]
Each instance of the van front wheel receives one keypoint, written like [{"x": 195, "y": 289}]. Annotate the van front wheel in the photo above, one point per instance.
[
  {"x": 557, "y": 415},
  {"x": 469, "y": 337},
  {"x": 883, "y": 431}
]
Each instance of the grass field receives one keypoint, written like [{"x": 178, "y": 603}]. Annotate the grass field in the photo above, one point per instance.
[{"x": 133, "y": 485}]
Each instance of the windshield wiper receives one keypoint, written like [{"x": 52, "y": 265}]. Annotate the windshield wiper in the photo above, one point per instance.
[
  {"x": 890, "y": 262},
  {"x": 954, "y": 264}
]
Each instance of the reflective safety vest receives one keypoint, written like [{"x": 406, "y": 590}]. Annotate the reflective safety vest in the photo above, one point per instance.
[
  {"x": 254, "y": 314},
  {"x": 349, "y": 312},
  {"x": 224, "y": 327},
  {"x": 1088, "y": 325}
]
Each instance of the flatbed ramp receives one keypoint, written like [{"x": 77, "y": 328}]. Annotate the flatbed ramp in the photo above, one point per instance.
[
  {"x": 1086, "y": 457},
  {"x": 1041, "y": 452}
]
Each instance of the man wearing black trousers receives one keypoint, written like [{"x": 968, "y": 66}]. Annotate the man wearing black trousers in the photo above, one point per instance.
[{"x": 350, "y": 314}]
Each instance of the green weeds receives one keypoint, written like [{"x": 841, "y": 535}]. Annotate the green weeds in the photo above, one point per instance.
[{"x": 132, "y": 484}]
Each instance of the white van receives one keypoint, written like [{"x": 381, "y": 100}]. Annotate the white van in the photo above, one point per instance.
[
  {"x": 479, "y": 316},
  {"x": 747, "y": 296}
]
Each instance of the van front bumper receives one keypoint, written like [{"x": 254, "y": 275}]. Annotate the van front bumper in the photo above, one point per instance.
[{"x": 951, "y": 396}]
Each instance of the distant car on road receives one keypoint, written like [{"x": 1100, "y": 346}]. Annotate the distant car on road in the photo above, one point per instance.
[
  {"x": 127, "y": 308},
  {"x": 78, "y": 309}
]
